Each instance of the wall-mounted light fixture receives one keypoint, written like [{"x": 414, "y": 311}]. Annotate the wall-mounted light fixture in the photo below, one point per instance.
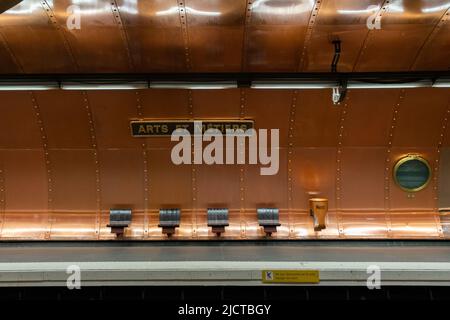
[
  {"x": 442, "y": 83},
  {"x": 289, "y": 81},
  {"x": 293, "y": 84},
  {"x": 28, "y": 85},
  {"x": 204, "y": 85},
  {"x": 131, "y": 85}
]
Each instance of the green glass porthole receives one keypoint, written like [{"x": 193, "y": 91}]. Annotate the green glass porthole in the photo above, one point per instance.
[{"x": 412, "y": 173}]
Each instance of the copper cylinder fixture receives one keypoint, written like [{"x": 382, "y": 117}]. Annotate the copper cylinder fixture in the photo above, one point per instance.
[{"x": 318, "y": 210}]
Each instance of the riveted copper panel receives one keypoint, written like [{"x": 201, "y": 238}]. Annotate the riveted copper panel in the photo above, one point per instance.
[
  {"x": 314, "y": 170},
  {"x": 18, "y": 123},
  {"x": 122, "y": 188},
  {"x": 112, "y": 112},
  {"x": 215, "y": 34},
  {"x": 9, "y": 65},
  {"x": 26, "y": 28},
  {"x": 362, "y": 224},
  {"x": 154, "y": 33},
  {"x": 444, "y": 178},
  {"x": 262, "y": 35},
  {"x": 258, "y": 35},
  {"x": 69, "y": 226},
  {"x": 276, "y": 34},
  {"x": 404, "y": 29},
  {"x": 164, "y": 104},
  {"x": 359, "y": 166},
  {"x": 97, "y": 22},
  {"x": 338, "y": 20},
  {"x": 317, "y": 120},
  {"x": 94, "y": 164},
  {"x": 260, "y": 105},
  {"x": 171, "y": 184},
  {"x": 266, "y": 190},
  {"x": 217, "y": 185},
  {"x": 435, "y": 55},
  {"x": 226, "y": 104},
  {"x": 75, "y": 199},
  {"x": 25, "y": 181},
  {"x": 73, "y": 180},
  {"x": 25, "y": 226},
  {"x": 417, "y": 125},
  {"x": 368, "y": 119},
  {"x": 65, "y": 119},
  {"x": 415, "y": 225}
]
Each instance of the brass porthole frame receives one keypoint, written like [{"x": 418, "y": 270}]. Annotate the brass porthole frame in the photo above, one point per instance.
[{"x": 407, "y": 158}]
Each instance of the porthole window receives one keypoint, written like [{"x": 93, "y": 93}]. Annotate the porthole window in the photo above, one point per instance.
[{"x": 412, "y": 173}]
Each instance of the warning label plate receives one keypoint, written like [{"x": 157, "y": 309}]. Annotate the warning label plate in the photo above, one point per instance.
[{"x": 290, "y": 276}]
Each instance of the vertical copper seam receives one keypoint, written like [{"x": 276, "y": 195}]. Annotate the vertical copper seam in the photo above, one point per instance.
[
  {"x": 363, "y": 47},
  {"x": 51, "y": 16},
  {"x": 10, "y": 52},
  {"x": 193, "y": 171},
  {"x": 442, "y": 135},
  {"x": 94, "y": 148},
  {"x": 247, "y": 22},
  {"x": 145, "y": 163},
  {"x": 300, "y": 67},
  {"x": 123, "y": 32},
  {"x": 242, "y": 170},
  {"x": 430, "y": 37},
  {"x": 184, "y": 31},
  {"x": 309, "y": 31},
  {"x": 2, "y": 197},
  {"x": 388, "y": 161},
  {"x": 290, "y": 156},
  {"x": 338, "y": 191},
  {"x": 47, "y": 160}
]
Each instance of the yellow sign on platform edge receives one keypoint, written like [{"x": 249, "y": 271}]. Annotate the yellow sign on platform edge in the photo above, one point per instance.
[{"x": 290, "y": 276}]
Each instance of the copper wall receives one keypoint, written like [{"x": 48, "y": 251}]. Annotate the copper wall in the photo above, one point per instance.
[{"x": 68, "y": 157}]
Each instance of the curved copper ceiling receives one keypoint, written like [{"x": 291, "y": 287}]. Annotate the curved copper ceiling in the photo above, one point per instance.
[
  {"x": 222, "y": 35},
  {"x": 8, "y": 4}
]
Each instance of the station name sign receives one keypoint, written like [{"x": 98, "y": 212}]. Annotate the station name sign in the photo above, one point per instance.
[{"x": 161, "y": 128}]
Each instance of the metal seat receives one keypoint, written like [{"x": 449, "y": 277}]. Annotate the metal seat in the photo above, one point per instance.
[
  {"x": 218, "y": 219},
  {"x": 169, "y": 220},
  {"x": 268, "y": 218},
  {"x": 119, "y": 219}
]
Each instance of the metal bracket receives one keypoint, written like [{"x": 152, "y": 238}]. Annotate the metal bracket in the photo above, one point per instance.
[
  {"x": 339, "y": 92},
  {"x": 337, "y": 55}
]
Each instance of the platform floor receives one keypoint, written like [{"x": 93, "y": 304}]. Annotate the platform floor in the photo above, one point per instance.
[{"x": 222, "y": 263}]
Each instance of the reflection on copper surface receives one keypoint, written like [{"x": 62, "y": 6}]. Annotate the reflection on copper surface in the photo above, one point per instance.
[
  {"x": 300, "y": 226},
  {"x": 282, "y": 7},
  {"x": 441, "y": 7},
  {"x": 189, "y": 10}
]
